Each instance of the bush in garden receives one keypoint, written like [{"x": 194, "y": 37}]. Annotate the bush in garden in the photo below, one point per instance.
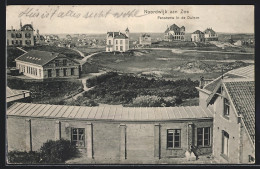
[
  {"x": 20, "y": 157},
  {"x": 57, "y": 151},
  {"x": 147, "y": 101}
]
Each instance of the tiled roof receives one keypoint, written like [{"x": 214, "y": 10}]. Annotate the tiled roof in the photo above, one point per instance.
[
  {"x": 242, "y": 93},
  {"x": 209, "y": 30},
  {"x": 197, "y": 32},
  {"x": 118, "y": 35},
  {"x": 145, "y": 35},
  {"x": 110, "y": 113},
  {"x": 174, "y": 28},
  {"x": 26, "y": 26},
  {"x": 243, "y": 72},
  {"x": 38, "y": 57}
]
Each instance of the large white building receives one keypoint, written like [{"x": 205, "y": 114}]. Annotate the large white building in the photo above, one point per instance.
[
  {"x": 117, "y": 41},
  {"x": 43, "y": 65},
  {"x": 174, "y": 33},
  {"x": 21, "y": 37}
]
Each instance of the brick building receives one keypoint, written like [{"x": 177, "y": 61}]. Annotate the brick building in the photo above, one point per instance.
[
  {"x": 21, "y": 37},
  {"x": 43, "y": 65},
  {"x": 222, "y": 125},
  {"x": 117, "y": 41},
  {"x": 123, "y": 135}
]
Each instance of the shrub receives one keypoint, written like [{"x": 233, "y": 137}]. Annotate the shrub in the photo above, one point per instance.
[
  {"x": 57, "y": 151},
  {"x": 147, "y": 101},
  {"x": 99, "y": 79},
  {"x": 46, "y": 91},
  {"x": 155, "y": 101},
  {"x": 18, "y": 157}
]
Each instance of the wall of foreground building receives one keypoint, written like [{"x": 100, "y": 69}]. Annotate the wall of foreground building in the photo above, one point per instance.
[
  {"x": 239, "y": 146},
  {"x": 117, "y": 141}
]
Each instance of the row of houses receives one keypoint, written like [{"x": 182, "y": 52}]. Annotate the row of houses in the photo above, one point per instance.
[
  {"x": 208, "y": 35},
  {"x": 223, "y": 126}
]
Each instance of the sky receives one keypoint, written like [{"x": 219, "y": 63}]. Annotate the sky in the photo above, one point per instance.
[{"x": 53, "y": 19}]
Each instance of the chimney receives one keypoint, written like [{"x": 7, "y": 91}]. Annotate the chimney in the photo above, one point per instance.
[
  {"x": 202, "y": 82},
  {"x": 12, "y": 28},
  {"x": 119, "y": 32}
]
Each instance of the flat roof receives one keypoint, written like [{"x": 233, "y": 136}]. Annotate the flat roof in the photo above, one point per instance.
[{"x": 109, "y": 113}]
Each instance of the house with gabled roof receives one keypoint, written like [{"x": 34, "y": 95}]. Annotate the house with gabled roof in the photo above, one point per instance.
[
  {"x": 210, "y": 35},
  {"x": 43, "y": 65},
  {"x": 197, "y": 36},
  {"x": 117, "y": 41},
  {"x": 174, "y": 33},
  {"x": 234, "y": 120},
  {"x": 145, "y": 39},
  {"x": 232, "y": 99}
]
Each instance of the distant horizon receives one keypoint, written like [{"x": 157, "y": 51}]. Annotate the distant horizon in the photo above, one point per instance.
[{"x": 144, "y": 32}]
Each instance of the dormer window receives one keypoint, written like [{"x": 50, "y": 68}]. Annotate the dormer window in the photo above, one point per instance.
[{"x": 226, "y": 107}]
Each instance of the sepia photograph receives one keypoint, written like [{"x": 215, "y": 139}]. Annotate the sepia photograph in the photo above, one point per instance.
[{"x": 130, "y": 84}]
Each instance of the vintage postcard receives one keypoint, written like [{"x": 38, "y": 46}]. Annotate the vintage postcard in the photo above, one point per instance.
[{"x": 130, "y": 84}]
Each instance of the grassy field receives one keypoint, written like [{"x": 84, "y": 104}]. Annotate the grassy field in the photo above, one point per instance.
[
  {"x": 66, "y": 51},
  {"x": 171, "y": 65},
  {"x": 88, "y": 50}
]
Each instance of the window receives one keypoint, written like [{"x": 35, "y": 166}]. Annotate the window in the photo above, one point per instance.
[
  {"x": 116, "y": 47},
  {"x": 57, "y": 72},
  {"x": 72, "y": 71},
  {"x": 226, "y": 107},
  {"x": 78, "y": 137},
  {"x": 203, "y": 136},
  {"x": 49, "y": 73},
  {"x": 18, "y": 35},
  {"x": 121, "y": 48},
  {"x": 57, "y": 63},
  {"x": 40, "y": 72},
  {"x": 28, "y": 35},
  {"x": 28, "y": 42},
  {"x": 13, "y": 35},
  {"x": 12, "y": 42},
  {"x": 121, "y": 42},
  {"x": 225, "y": 138},
  {"x": 21, "y": 42},
  {"x": 64, "y": 72},
  {"x": 109, "y": 42},
  {"x": 173, "y": 138},
  {"x": 64, "y": 62},
  {"x": 116, "y": 42}
]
